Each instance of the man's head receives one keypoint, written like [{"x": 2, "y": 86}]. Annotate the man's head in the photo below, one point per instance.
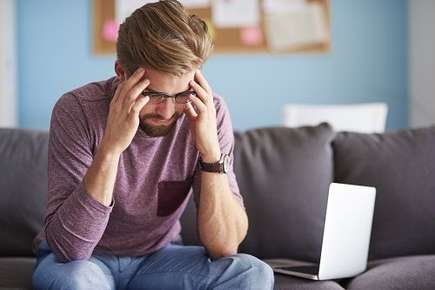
[{"x": 170, "y": 45}]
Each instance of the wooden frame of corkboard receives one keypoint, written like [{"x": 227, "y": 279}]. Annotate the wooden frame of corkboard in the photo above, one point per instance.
[{"x": 226, "y": 40}]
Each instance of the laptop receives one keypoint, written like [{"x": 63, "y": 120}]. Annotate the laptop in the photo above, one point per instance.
[{"x": 346, "y": 235}]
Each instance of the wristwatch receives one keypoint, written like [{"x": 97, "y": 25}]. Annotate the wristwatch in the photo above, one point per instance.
[{"x": 221, "y": 166}]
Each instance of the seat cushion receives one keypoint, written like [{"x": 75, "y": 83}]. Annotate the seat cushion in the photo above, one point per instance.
[
  {"x": 284, "y": 282},
  {"x": 23, "y": 188},
  {"x": 16, "y": 272},
  {"x": 410, "y": 273},
  {"x": 401, "y": 165}
]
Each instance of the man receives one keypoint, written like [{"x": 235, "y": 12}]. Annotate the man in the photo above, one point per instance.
[{"x": 123, "y": 155}]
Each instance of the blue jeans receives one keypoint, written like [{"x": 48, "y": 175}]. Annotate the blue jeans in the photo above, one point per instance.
[{"x": 172, "y": 267}]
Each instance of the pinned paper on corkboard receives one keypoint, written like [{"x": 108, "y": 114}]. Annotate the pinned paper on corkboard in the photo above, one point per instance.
[
  {"x": 124, "y": 8},
  {"x": 235, "y": 13},
  {"x": 296, "y": 27},
  {"x": 193, "y": 4}
]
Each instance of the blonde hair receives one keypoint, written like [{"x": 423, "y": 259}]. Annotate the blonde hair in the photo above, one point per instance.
[{"x": 164, "y": 37}]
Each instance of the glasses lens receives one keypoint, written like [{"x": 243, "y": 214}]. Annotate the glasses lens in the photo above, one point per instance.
[
  {"x": 184, "y": 98},
  {"x": 154, "y": 98}
]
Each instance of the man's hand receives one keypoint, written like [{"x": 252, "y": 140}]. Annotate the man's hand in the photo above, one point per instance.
[
  {"x": 203, "y": 118},
  {"x": 123, "y": 119}
]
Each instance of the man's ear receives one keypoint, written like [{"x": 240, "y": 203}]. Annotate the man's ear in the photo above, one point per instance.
[{"x": 120, "y": 72}]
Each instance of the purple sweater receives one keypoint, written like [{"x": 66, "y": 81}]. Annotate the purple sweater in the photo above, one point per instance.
[{"x": 153, "y": 184}]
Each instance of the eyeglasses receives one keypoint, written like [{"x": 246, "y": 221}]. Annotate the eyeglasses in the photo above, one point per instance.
[{"x": 158, "y": 97}]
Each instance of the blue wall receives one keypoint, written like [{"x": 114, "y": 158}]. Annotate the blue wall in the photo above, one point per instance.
[{"x": 367, "y": 62}]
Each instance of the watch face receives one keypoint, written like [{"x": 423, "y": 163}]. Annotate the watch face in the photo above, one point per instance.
[{"x": 226, "y": 163}]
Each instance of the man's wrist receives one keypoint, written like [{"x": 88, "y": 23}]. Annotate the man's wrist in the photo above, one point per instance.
[
  {"x": 211, "y": 157},
  {"x": 107, "y": 151}
]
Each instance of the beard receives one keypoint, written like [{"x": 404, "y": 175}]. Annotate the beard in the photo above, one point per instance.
[{"x": 157, "y": 130}]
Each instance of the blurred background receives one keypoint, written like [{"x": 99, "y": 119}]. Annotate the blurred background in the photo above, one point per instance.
[{"x": 379, "y": 51}]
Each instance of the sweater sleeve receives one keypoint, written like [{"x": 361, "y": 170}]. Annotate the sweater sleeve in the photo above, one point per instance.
[{"x": 74, "y": 221}]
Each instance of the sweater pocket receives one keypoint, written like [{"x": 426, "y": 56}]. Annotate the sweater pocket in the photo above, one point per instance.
[{"x": 171, "y": 194}]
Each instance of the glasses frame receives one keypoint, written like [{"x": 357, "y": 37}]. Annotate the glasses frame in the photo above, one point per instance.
[{"x": 160, "y": 97}]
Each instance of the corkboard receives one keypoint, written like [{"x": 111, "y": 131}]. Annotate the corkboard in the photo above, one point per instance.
[{"x": 227, "y": 40}]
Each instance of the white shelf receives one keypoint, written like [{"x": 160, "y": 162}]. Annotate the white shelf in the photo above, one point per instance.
[{"x": 8, "y": 67}]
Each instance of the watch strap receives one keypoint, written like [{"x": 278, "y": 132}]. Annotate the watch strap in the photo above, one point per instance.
[{"x": 215, "y": 167}]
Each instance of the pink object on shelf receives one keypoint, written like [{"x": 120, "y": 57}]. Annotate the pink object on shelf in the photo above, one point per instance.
[
  {"x": 110, "y": 30},
  {"x": 251, "y": 35}
]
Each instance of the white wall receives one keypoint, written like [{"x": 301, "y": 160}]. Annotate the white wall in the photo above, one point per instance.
[
  {"x": 422, "y": 62},
  {"x": 8, "y": 75}
]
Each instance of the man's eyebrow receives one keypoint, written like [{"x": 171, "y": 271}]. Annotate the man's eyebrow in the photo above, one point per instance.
[{"x": 154, "y": 91}]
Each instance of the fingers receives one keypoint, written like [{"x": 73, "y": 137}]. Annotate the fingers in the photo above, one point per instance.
[
  {"x": 201, "y": 108},
  {"x": 202, "y": 94},
  {"x": 137, "y": 106},
  {"x": 199, "y": 77},
  {"x": 190, "y": 111},
  {"x": 135, "y": 92},
  {"x": 128, "y": 84},
  {"x": 116, "y": 96}
]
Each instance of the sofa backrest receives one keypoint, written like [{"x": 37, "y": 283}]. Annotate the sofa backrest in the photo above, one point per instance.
[
  {"x": 23, "y": 188},
  {"x": 283, "y": 174},
  {"x": 401, "y": 165}
]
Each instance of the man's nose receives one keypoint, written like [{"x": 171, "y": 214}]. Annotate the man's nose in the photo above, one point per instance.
[{"x": 166, "y": 108}]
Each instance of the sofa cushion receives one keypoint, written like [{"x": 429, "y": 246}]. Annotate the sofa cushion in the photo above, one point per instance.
[
  {"x": 284, "y": 175},
  {"x": 284, "y": 282},
  {"x": 401, "y": 165},
  {"x": 410, "y": 273},
  {"x": 16, "y": 272},
  {"x": 23, "y": 187}
]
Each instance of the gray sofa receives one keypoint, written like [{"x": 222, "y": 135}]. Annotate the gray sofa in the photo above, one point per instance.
[{"x": 284, "y": 176}]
